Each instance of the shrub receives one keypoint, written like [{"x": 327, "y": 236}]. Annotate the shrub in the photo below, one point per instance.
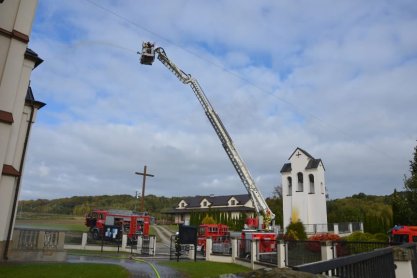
[
  {"x": 359, "y": 236},
  {"x": 296, "y": 231},
  {"x": 316, "y": 246},
  {"x": 381, "y": 237}
]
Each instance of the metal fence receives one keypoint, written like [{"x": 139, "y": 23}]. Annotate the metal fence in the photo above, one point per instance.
[
  {"x": 378, "y": 263},
  {"x": 221, "y": 246},
  {"x": 346, "y": 248},
  {"x": 301, "y": 252},
  {"x": 179, "y": 251},
  {"x": 244, "y": 248}
]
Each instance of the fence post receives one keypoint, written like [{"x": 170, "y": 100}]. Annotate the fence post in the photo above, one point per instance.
[
  {"x": 154, "y": 246},
  {"x": 41, "y": 240},
  {"x": 253, "y": 253},
  {"x": 350, "y": 228},
  {"x": 208, "y": 248},
  {"x": 361, "y": 226},
  {"x": 326, "y": 250},
  {"x": 234, "y": 249},
  {"x": 84, "y": 240},
  {"x": 403, "y": 259},
  {"x": 139, "y": 245},
  {"x": 336, "y": 228},
  {"x": 281, "y": 254},
  {"x": 124, "y": 241}
]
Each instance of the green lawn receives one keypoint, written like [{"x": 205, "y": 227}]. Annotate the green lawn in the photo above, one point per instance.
[
  {"x": 203, "y": 269},
  {"x": 62, "y": 270},
  {"x": 53, "y": 222}
]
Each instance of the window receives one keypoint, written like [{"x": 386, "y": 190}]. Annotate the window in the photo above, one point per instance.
[
  {"x": 289, "y": 180},
  {"x": 232, "y": 202},
  {"x": 182, "y": 205},
  {"x": 205, "y": 204},
  {"x": 311, "y": 179},
  {"x": 300, "y": 182}
]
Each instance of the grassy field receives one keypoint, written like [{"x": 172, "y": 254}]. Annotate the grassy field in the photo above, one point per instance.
[
  {"x": 62, "y": 270},
  {"x": 203, "y": 269},
  {"x": 52, "y": 221}
]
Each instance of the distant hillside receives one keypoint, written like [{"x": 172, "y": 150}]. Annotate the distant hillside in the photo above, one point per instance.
[
  {"x": 79, "y": 205},
  {"x": 374, "y": 211}
]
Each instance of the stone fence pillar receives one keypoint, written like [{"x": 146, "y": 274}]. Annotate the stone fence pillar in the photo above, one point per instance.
[
  {"x": 234, "y": 249},
  {"x": 326, "y": 250},
  {"x": 209, "y": 244},
  {"x": 281, "y": 254},
  {"x": 336, "y": 228}
]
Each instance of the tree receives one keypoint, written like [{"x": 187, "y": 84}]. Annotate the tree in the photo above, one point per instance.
[
  {"x": 405, "y": 205},
  {"x": 296, "y": 231},
  {"x": 275, "y": 204},
  {"x": 208, "y": 220}
]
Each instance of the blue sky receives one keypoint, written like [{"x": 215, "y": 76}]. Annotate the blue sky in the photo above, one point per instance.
[{"x": 334, "y": 78}]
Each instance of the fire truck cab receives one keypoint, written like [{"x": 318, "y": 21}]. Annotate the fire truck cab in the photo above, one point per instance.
[
  {"x": 111, "y": 224},
  {"x": 403, "y": 234}
]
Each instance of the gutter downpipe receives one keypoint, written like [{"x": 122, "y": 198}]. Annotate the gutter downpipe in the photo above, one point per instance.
[{"x": 19, "y": 179}]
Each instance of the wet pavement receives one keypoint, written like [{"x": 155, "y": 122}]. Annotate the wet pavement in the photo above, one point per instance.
[{"x": 138, "y": 267}]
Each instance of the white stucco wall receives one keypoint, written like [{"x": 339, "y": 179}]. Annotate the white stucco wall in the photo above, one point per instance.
[{"x": 16, "y": 23}]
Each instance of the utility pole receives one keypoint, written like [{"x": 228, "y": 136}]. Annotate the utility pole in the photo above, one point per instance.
[{"x": 144, "y": 174}]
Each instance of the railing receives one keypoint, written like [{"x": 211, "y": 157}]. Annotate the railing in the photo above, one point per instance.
[
  {"x": 344, "y": 228},
  {"x": 29, "y": 239},
  {"x": 378, "y": 263},
  {"x": 346, "y": 248},
  {"x": 37, "y": 245},
  {"x": 301, "y": 252},
  {"x": 221, "y": 246},
  {"x": 335, "y": 228}
]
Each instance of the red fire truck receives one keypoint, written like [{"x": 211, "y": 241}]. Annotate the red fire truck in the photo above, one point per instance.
[
  {"x": 219, "y": 234},
  {"x": 111, "y": 224},
  {"x": 403, "y": 234}
]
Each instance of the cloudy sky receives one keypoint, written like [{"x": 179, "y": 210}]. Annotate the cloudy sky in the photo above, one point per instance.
[{"x": 336, "y": 78}]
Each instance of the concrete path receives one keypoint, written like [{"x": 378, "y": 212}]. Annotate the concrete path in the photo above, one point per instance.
[
  {"x": 163, "y": 233},
  {"x": 140, "y": 267}
]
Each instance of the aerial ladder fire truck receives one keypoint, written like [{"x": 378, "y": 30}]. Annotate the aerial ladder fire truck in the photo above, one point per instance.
[{"x": 265, "y": 215}]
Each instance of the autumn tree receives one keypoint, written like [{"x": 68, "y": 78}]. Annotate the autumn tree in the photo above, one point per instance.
[
  {"x": 275, "y": 204},
  {"x": 410, "y": 185}
]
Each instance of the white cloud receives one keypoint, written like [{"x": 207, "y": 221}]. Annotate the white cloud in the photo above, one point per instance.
[{"x": 337, "y": 82}]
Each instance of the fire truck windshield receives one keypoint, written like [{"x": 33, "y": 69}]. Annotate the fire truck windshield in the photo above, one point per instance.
[{"x": 400, "y": 238}]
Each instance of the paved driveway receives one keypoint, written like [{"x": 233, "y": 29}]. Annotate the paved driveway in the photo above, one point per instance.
[{"x": 136, "y": 268}]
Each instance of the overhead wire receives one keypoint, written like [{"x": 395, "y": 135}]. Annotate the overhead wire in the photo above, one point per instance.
[{"x": 295, "y": 108}]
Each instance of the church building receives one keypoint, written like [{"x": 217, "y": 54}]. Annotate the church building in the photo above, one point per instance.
[{"x": 304, "y": 191}]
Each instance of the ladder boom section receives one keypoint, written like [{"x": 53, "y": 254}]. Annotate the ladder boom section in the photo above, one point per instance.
[{"x": 227, "y": 142}]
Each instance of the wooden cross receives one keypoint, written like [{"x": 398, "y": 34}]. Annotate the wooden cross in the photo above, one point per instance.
[
  {"x": 298, "y": 154},
  {"x": 144, "y": 174}
]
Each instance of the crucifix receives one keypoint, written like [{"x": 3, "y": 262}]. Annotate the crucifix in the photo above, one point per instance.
[{"x": 144, "y": 174}]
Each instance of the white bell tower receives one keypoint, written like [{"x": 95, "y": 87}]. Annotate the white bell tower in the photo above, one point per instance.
[{"x": 304, "y": 191}]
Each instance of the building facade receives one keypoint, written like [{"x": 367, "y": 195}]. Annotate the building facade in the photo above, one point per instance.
[
  {"x": 233, "y": 204},
  {"x": 304, "y": 191},
  {"x": 17, "y": 106}
]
